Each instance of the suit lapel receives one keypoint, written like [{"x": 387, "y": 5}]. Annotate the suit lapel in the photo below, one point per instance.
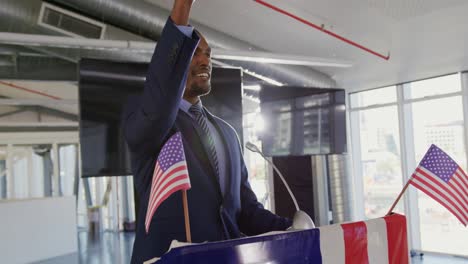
[
  {"x": 197, "y": 141},
  {"x": 227, "y": 147}
]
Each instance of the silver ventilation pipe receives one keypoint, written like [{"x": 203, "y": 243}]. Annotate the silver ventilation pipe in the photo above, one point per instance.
[
  {"x": 21, "y": 16},
  {"x": 145, "y": 19},
  {"x": 341, "y": 191}
]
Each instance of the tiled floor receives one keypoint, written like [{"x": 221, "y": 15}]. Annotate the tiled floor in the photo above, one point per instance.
[
  {"x": 109, "y": 248},
  {"x": 116, "y": 248}
]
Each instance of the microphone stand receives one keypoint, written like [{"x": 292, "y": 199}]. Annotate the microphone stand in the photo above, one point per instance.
[{"x": 301, "y": 220}]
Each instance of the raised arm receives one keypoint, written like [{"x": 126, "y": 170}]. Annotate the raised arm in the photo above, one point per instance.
[
  {"x": 148, "y": 123},
  {"x": 181, "y": 11}
]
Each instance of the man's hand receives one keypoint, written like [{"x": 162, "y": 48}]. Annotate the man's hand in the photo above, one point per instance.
[{"x": 181, "y": 11}]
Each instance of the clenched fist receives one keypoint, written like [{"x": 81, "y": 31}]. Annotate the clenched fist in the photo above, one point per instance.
[{"x": 181, "y": 11}]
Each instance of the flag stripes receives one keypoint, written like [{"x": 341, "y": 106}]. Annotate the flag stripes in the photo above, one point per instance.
[
  {"x": 436, "y": 183},
  {"x": 355, "y": 237},
  {"x": 461, "y": 181},
  {"x": 397, "y": 239},
  {"x": 442, "y": 179},
  {"x": 456, "y": 184},
  {"x": 331, "y": 244},
  {"x": 376, "y": 241},
  {"x": 170, "y": 175},
  {"x": 440, "y": 191}
]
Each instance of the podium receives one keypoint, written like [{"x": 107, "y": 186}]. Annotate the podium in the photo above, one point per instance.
[{"x": 381, "y": 240}]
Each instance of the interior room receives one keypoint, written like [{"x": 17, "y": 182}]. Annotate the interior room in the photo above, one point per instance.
[{"x": 342, "y": 98}]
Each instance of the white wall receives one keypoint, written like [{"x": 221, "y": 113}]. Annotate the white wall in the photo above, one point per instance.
[{"x": 37, "y": 229}]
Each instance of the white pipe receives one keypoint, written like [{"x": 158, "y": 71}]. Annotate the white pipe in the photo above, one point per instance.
[
  {"x": 38, "y": 102},
  {"x": 68, "y": 42},
  {"x": 148, "y": 47},
  {"x": 289, "y": 59}
]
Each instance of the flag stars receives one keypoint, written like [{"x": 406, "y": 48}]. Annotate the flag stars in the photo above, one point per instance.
[{"x": 439, "y": 163}]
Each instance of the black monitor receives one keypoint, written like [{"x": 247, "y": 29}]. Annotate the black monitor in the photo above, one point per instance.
[
  {"x": 105, "y": 87},
  {"x": 303, "y": 121}
]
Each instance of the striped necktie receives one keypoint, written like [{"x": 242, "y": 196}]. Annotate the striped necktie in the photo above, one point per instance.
[{"x": 197, "y": 111}]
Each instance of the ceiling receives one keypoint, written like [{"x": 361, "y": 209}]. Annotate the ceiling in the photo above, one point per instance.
[{"x": 424, "y": 38}]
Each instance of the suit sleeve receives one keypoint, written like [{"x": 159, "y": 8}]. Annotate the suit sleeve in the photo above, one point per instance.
[
  {"x": 254, "y": 219},
  {"x": 147, "y": 125}
]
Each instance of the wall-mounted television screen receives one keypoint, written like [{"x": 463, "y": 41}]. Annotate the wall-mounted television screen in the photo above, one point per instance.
[{"x": 303, "y": 121}]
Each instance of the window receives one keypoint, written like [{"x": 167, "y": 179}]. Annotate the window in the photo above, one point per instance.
[
  {"x": 31, "y": 170},
  {"x": 380, "y": 159},
  {"x": 379, "y": 96},
  {"x": 431, "y": 87},
  {"x": 256, "y": 165},
  {"x": 431, "y": 112},
  {"x": 68, "y": 168},
  {"x": 3, "y": 172},
  {"x": 440, "y": 230}
]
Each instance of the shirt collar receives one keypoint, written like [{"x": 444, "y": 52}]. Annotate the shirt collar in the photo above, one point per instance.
[{"x": 185, "y": 106}]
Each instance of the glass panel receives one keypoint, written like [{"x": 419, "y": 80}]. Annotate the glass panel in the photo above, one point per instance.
[
  {"x": 31, "y": 171},
  {"x": 440, "y": 231},
  {"x": 315, "y": 100},
  {"x": 3, "y": 172},
  {"x": 435, "y": 86},
  {"x": 318, "y": 142},
  {"x": 82, "y": 213},
  {"x": 126, "y": 206},
  {"x": 68, "y": 169},
  {"x": 113, "y": 204},
  {"x": 373, "y": 97},
  {"x": 380, "y": 160},
  {"x": 97, "y": 190},
  {"x": 256, "y": 165}
]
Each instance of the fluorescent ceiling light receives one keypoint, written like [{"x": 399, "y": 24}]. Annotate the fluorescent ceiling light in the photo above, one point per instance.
[
  {"x": 148, "y": 47},
  {"x": 277, "y": 58},
  {"x": 253, "y": 87}
]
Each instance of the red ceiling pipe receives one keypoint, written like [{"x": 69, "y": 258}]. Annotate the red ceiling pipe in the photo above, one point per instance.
[
  {"x": 321, "y": 28},
  {"x": 29, "y": 90}
]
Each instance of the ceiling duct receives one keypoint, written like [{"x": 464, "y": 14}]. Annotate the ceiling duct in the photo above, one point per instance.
[
  {"x": 69, "y": 23},
  {"x": 22, "y": 16},
  {"x": 148, "y": 20}
]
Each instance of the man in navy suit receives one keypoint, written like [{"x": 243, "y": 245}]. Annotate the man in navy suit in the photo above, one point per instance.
[{"x": 221, "y": 203}]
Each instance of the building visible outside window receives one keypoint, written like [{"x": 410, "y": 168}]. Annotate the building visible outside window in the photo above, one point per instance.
[
  {"x": 439, "y": 121},
  {"x": 379, "y": 147},
  {"x": 432, "y": 112}
]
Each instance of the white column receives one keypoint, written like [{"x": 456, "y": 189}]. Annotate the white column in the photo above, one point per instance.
[
  {"x": 9, "y": 173},
  {"x": 31, "y": 175},
  {"x": 355, "y": 149},
  {"x": 56, "y": 172},
  {"x": 464, "y": 80},
  {"x": 408, "y": 164}
]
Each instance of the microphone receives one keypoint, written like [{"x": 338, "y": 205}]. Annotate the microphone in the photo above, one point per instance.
[{"x": 301, "y": 219}]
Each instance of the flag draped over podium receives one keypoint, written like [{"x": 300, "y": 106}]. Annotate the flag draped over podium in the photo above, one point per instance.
[
  {"x": 376, "y": 241},
  {"x": 440, "y": 177},
  {"x": 170, "y": 175}
]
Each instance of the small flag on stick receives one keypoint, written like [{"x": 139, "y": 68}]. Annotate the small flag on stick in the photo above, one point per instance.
[
  {"x": 440, "y": 177},
  {"x": 170, "y": 175}
]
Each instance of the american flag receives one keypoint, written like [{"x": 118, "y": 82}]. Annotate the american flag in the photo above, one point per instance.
[
  {"x": 441, "y": 178},
  {"x": 170, "y": 175}
]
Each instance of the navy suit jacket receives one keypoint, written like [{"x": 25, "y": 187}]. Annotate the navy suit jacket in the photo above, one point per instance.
[{"x": 149, "y": 123}]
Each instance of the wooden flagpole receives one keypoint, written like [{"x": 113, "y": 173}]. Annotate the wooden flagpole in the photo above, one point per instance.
[
  {"x": 186, "y": 216},
  {"x": 399, "y": 196}
]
